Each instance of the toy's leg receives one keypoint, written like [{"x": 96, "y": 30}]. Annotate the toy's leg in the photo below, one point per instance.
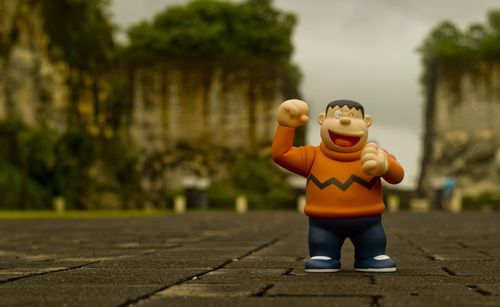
[
  {"x": 323, "y": 241},
  {"x": 369, "y": 244},
  {"x": 371, "y": 240},
  {"x": 324, "y": 247}
]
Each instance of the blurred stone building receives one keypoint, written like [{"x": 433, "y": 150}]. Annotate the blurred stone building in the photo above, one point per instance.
[
  {"x": 182, "y": 123},
  {"x": 195, "y": 125},
  {"x": 463, "y": 130},
  {"x": 31, "y": 85}
]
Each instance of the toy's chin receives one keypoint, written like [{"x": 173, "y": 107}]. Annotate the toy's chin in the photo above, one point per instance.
[{"x": 343, "y": 140}]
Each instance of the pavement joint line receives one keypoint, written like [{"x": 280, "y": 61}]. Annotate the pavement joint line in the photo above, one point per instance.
[
  {"x": 259, "y": 248},
  {"x": 173, "y": 246},
  {"x": 479, "y": 290},
  {"x": 422, "y": 249},
  {"x": 410, "y": 242},
  {"x": 135, "y": 301},
  {"x": 372, "y": 279},
  {"x": 138, "y": 300},
  {"x": 449, "y": 271},
  {"x": 437, "y": 257},
  {"x": 9, "y": 280},
  {"x": 262, "y": 291},
  {"x": 144, "y": 253}
]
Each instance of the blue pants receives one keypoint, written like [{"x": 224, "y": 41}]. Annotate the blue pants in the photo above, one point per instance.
[{"x": 326, "y": 236}]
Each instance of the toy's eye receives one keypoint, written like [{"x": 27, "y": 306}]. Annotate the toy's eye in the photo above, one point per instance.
[{"x": 337, "y": 114}]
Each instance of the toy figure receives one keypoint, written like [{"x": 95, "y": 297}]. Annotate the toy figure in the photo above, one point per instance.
[{"x": 344, "y": 191}]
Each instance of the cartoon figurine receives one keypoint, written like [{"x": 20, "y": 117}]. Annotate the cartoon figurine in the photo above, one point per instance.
[{"x": 344, "y": 190}]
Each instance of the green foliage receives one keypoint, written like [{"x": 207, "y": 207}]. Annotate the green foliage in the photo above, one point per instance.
[
  {"x": 484, "y": 201},
  {"x": 26, "y": 164},
  {"x": 90, "y": 165},
  {"x": 215, "y": 30},
  {"x": 19, "y": 191},
  {"x": 38, "y": 165},
  {"x": 446, "y": 44},
  {"x": 3, "y": 48},
  {"x": 80, "y": 32},
  {"x": 222, "y": 194},
  {"x": 259, "y": 180},
  {"x": 81, "y": 35}
]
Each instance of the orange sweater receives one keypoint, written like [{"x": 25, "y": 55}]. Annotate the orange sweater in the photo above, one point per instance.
[{"x": 336, "y": 184}]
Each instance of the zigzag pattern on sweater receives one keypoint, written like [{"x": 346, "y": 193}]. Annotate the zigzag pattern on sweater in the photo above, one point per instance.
[{"x": 343, "y": 186}]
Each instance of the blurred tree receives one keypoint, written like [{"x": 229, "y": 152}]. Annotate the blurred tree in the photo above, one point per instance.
[
  {"x": 490, "y": 45},
  {"x": 215, "y": 30},
  {"x": 88, "y": 165},
  {"x": 26, "y": 166},
  {"x": 41, "y": 164},
  {"x": 81, "y": 35},
  {"x": 259, "y": 180},
  {"x": 249, "y": 43},
  {"x": 444, "y": 43}
]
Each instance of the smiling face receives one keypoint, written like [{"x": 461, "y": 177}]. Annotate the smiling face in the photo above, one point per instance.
[{"x": 344, "y": 129}]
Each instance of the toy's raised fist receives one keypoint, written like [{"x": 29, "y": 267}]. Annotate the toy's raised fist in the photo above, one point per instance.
[
  {"x": 374, "y": 160},
  {"x": 293, "y": 113}
]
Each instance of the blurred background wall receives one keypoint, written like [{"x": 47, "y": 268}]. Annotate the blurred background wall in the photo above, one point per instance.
[
  {"x": 461, "y": 82},
  {"x": 191, "y": 97},
  {"x": 187, "y": 98}
]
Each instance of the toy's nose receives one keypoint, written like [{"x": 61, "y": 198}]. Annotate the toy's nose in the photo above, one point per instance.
[{"x": 345, "y": 120}]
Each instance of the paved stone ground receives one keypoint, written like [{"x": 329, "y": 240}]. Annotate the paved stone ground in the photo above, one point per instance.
[{"x": 225, "y": 259}]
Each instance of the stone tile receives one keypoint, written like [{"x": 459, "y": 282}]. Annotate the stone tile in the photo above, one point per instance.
[
  {"x": 153, "y": 263},
  {"x": 107, "y": 277},
  {"x": 323, "y": 285},
  {"x": 473, "y": 267},
  {"x": 435, "y": 300},
  {"x": 72, "y": 295},
  {"x": 242, "y": 276},
  {"x": 331, "y": 301},
  {"x": 209, "y": 290},
  {"x": 268, "y": 262}
]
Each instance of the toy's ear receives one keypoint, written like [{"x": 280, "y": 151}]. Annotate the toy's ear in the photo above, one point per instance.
[
  {"x": 368, "y": 120},
  {"x": 321, "y": 118}
]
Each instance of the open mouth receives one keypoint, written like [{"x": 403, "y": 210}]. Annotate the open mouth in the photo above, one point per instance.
[{"x": 343, "y": 140}]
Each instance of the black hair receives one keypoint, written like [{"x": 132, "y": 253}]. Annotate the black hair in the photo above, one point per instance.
[{"x": 349, "y": 103}]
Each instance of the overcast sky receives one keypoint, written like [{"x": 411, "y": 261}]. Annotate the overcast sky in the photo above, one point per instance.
[{"x": 360, "y": 50}]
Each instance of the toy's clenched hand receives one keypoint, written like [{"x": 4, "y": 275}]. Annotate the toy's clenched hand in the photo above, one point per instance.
[
  {"x": 293, "y": 113},
  {"x": 374, "y": 160}
]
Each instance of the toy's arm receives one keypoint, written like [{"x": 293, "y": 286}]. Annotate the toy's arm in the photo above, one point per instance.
[
  {"x": 295, "y": 159},
  {"x": 395, "y": 173},
  {"x": 378, "y": 162}
]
